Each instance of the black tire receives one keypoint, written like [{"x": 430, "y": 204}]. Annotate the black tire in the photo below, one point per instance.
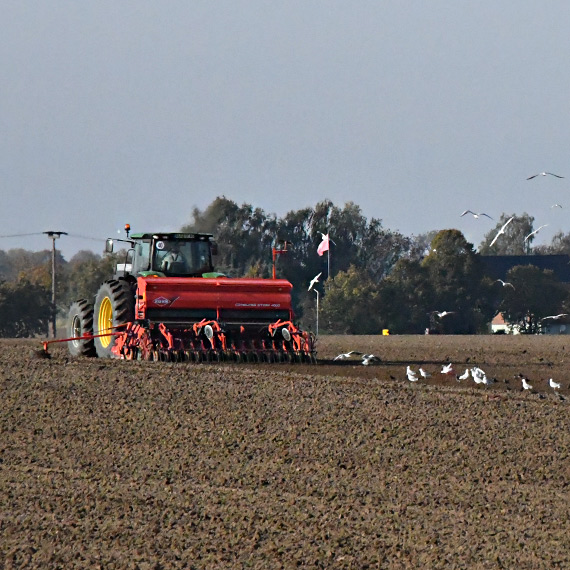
[
  {"x": 79, "y": 323},
  {"x": 114, "y": 306}
]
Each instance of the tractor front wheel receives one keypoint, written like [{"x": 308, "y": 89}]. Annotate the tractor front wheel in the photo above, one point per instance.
[
  {"x": 114, "y": 306},
  {"x": 80, "y": 323}
]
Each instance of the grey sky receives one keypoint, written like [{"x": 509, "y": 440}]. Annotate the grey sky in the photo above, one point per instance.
[{"x": 136, "y": 111}]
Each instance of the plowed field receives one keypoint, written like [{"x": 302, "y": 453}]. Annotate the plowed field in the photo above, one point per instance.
[{"x": 114, "y": 464}]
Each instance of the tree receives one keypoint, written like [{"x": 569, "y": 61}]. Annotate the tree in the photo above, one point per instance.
[
  {"x": 512, "y": 241},
  {"x": 456, "y": 274},
  {"x": 560, "y": 244},
  {"x": 245, "y": 235},
  {"x": 84, "y": 274},
  {"x": 405, "y": 297},
  {"x": 25, "y": 309},
  {"x": 535, "y": 295},
  {"x": 350, "y": 304}
]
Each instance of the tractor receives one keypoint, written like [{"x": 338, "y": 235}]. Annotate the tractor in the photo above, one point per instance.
[{"x": 166, "y": 302}]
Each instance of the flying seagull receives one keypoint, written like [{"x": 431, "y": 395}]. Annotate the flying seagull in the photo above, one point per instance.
[
  {"x": 554, "y": 384},
  {"x": 447, "y": 369},
  {"x": 476, "y": 214},
  {"x": 368, "y": 359},
  {"x": 544, "y": 174},
  {"x": 556, "y": 206},
  {"x": 442, "y": 314},
  {"x": 535, "y": 231},
  {"x": 504, "y": 283},
  {"x": 314, "y": 281},
  {"x": 502, "y": 230},
  {"x": 555, "y": 317},
  {"x": 347, "y": 355}
]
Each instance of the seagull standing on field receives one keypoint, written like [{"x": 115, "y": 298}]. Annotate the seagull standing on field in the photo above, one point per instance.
[
  {"x": 411, "y": 375},
  {"x": 554, "y": 384},
  {"x": 525, "y": 384},
  {"x": 502, "y": 230},
  {"x": 544, "y": 174},
  {"x": 475, "y": 214},
  {"x": 535, "y": 231},
  {"x": 465, "y": 375},
  {"x": 424, "y": 373}
]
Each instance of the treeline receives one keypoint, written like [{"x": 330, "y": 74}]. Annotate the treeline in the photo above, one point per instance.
[{"x": 378, "y": 278}]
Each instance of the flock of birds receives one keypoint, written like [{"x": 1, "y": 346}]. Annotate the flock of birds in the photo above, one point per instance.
[
  {"x": 501, "y": 231},
  {"x": 478, "y": 375}
]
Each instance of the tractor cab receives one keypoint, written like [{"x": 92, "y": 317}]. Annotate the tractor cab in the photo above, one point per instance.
[{"x": 167, "y": 255}]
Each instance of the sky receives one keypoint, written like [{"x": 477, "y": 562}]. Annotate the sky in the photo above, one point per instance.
[{"x": 137, "y": 112}]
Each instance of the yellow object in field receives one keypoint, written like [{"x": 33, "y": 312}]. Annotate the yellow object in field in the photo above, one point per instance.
[{"x": 385, "y": 332}]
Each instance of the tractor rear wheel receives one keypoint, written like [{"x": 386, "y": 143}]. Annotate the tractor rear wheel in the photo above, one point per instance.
[
  {"x": 79, "y": 323},
  {"x": 114, "y": 306}
]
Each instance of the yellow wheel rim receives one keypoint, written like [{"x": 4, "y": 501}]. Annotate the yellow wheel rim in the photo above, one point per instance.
[{"x": 105, "y": 321}]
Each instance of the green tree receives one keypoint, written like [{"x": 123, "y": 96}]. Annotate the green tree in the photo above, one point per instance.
[
  {"x": 535, "y": 295},
  {"x": 455, "y": 272},
  {"x": 245, "y": 235},
  {"x": 84, "y": 274},
  {"x": 405, "y": 297},
  {"x": 25, "y": 308},
  {"x": 560, "y": 244},
  {"x": 350, "y": 304},
  {"x": 512, "y": 240}
]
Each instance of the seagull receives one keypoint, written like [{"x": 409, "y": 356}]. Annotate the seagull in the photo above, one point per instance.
[
  {"x": 465, "y": 375},
  {"x": 487, "y": 381},
  {"x": 556, "y": 206},
  {"x": 314, "y": 281},
  {"x": 555, "y": 317},
  {"x": 442, "y": 314},
  {"x": 411, "y": 376},
  {"x": 424, "y": 374},
  {"x": 525, "y": 384},
  {"x": 447, "y": 369},
  {"x": 368, "y": 359},
  {"x": 554, "y": 384},
  {"x": 478, "y": 374},
  {"x": 348, "y": 355},
  {"x": 476, "y": 214},
  {"x": 502, "y": 230},
  {"x": 535, "y": 231},
  {"x": 544, "y": 174},
  {"x": 504, "y": 283}
]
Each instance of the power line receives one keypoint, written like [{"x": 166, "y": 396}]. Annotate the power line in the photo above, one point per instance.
[
  {"x": 22, "y": 235},
  {"x": 86, "y": 237}
]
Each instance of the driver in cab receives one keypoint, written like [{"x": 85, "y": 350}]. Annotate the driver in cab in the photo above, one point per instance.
[{"x": 174, "y": 261}]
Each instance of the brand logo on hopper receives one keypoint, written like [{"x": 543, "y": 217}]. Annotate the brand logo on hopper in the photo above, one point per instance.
[{"x": 161, "y": 301}]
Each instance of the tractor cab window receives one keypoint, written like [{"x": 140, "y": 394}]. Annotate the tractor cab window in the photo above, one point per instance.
[
  {"x": 142, "y": 256},
  {"x": 182, "y": 258}
]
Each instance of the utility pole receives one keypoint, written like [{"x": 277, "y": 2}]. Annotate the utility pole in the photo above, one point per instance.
[{"x": 53, "y": 236}]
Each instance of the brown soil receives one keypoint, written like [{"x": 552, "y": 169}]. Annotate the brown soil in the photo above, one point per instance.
[{"x": 114, "y": 464}]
